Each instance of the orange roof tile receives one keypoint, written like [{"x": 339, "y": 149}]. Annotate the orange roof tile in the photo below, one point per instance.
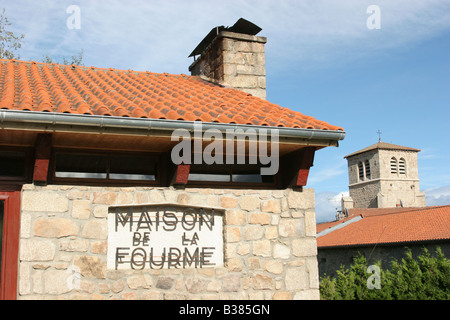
[
  {"x": 395, "y": 225},
  {"x": 87, "y": 90}
]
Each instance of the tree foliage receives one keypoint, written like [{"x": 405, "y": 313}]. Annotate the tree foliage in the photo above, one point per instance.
[
  {"x": 10, "y": 42},
  {"x": 424, "y": 278},
  {"x": 75, "y": 59}
]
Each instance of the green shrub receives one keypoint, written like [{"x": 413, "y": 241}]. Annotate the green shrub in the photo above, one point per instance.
[{"x": 424, "y": 278}]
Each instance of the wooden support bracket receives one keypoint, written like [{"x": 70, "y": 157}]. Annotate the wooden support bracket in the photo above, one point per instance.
[
  {"x": 296, "y": 167},
  {"x": 182, "y": 174},
  {"x": 43, "y": 152}
]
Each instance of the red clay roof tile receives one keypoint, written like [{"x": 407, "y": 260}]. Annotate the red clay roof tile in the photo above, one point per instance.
[
  {"x": 88, "y": 90},
  {"x": 392, "y": 225}
]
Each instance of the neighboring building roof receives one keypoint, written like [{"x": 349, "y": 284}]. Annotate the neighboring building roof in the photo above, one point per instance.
[
  {"x": 386, "y": 225},
  {"x": 383, "y": 145},
  {"x": 87, "y": 90}
]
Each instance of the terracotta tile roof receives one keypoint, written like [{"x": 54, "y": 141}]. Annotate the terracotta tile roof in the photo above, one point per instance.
[
  {"x": 88, "y": 90},
  {"x": 383, "y": 145},
  {"x": 395, "y": 225},
  {"x": 352, "y": 213}
]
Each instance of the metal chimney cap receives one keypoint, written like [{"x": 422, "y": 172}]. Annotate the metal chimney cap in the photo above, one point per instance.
[{"x": 241, "y": 26}]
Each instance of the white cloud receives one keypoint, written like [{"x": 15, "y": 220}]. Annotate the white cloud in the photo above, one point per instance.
[
  {"x": 438, "y": 196},
  {"x": 327, "y": 205},
  {"x": 158, "y": 35}
]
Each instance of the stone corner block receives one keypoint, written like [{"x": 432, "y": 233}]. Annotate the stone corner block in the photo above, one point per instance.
[
  {"x": 304, "y": 199},
  {"x": 44, "y": 202}
]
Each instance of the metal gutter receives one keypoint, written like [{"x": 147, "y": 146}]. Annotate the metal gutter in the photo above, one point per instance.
[{"x": 67, "y": 122}]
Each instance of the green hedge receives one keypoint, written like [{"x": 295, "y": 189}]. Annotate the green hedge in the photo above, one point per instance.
[{"x": 424, "y": 278}]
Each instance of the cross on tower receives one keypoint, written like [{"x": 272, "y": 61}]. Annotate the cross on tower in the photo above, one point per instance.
[{"x": 379, "y": 135}]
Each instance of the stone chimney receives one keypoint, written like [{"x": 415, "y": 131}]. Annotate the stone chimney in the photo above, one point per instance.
[{"x": 233, "y": 57}]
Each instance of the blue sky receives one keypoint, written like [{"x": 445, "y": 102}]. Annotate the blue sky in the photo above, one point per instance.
[{"x": 321, "y": 60}]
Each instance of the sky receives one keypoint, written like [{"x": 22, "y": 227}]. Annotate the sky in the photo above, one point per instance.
[{"x": 338, "y": 61}]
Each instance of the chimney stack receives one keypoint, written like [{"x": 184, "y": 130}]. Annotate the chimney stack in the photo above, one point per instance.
[{"x": 233, "y": 57}]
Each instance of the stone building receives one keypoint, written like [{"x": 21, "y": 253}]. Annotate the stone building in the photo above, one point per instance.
[
  {"x": 383, "y": 175},
  {"x": 381, "y": 235},
  {"x": 385, "y": 213},
  {"x": 108, "y": 191}
]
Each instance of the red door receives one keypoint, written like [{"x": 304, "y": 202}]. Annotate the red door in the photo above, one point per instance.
[{"x": 10, "y": 205}]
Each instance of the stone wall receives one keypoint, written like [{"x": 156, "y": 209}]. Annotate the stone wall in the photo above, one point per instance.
[
  {"x": 385, "y": 189},
  {"x": 269, "y": 243},
  {"x": 406, "y": 192},
  {"x": 365, "y": 194},
  {"x": 412, "y": 168},
  {"x": 353, "y": 171}
]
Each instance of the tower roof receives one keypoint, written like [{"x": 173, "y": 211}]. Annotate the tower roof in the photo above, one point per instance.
[{"x": 384, "y": 146}]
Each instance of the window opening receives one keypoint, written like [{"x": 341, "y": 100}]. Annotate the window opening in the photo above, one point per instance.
[
  {"x": 361, "y": 171},
  {"x": 126, "y": 167},
  {"x": 394, "y": 167},
  {"x": 12, "y": 164},
  {"x": 402, "y": 166},
  {"x": 367, "y": 165},
  {"x": 237, "y": 173},
  {"x": 109, "y": 167},
  {"x": 83, "y": 166},
  {"x": 250, "y": 173}
]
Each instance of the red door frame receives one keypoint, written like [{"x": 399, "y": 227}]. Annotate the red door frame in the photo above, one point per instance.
[{"x": 10, "y": 250}]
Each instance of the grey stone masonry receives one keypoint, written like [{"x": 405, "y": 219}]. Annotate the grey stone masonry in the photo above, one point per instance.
[
  {"x": 269, "y": 244},
  {"x": 234, "y": 60},
  {"x": 374, "y": 183}
]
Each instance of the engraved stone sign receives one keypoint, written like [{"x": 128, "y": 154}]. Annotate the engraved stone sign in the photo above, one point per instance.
[{"x": 164, "y": 236}]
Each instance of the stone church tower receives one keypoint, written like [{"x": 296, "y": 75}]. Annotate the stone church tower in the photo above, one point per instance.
[{"x": 383, "y": 175}]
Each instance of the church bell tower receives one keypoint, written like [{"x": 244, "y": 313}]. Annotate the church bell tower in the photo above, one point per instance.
[{"x": 384, "y": 175}]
